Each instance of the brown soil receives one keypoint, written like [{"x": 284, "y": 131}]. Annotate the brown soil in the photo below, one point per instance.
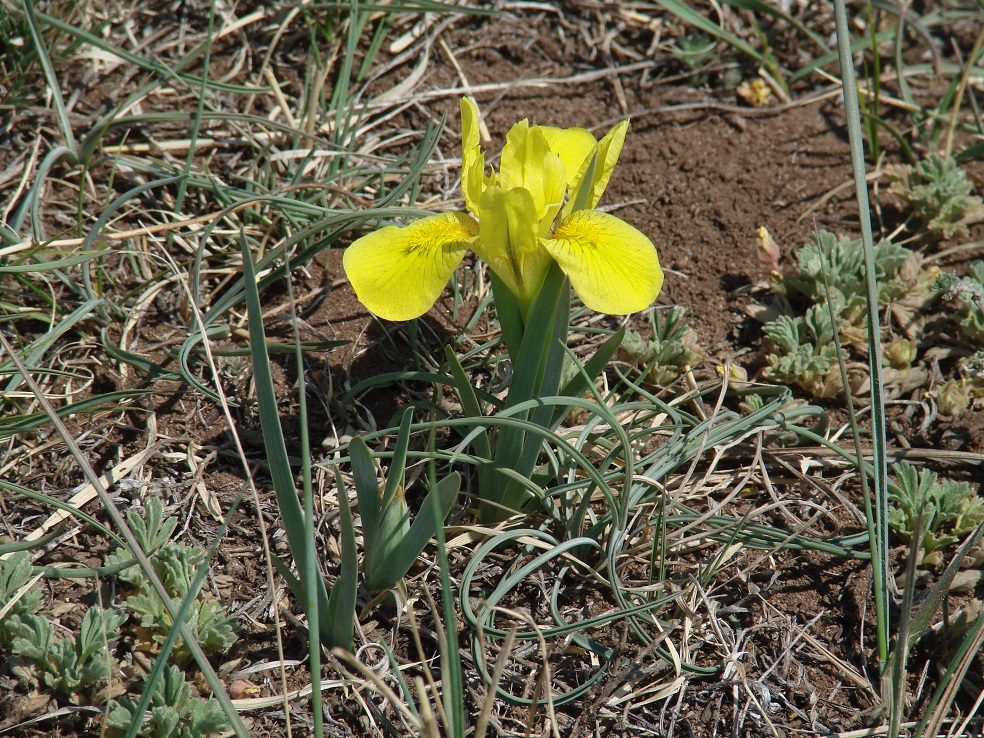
[{"x": 699, "y": 174}]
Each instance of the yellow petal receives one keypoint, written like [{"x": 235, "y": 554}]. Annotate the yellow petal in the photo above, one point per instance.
[
  {"x": 573, "y": 145},
  {"x": 613, "y": 267},
  {"x": 472, "y": 158},
  {"x": 548, "y": 191},
  {"x": 514, "y": 156},
  {"x": 398, "y": 273},
  {"x": 528, "y": 163},
  {"x": 609, "y": 149},
  {"x": 510, "y": 243}
]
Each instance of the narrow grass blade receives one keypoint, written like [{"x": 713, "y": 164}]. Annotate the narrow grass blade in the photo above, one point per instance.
[
  {"x": 16, "y": 424},
  {"x": 196, "y": 119},
  {"x": 480, "y": 444},
  {"x": 691, "y": 17},
  {"x": 35, "y": 350},
  {"x": 51, "y": 78},
  {"x": 8, "y": 548},
  {"x": 931, "y": 601},
  {"x": 138, "y": 61},
  {"x": 280, "y": 471},
  {"x": 594, "y": 366},
  {"x": 450, "y": 656},
  {"x": 824, "y": 60},
  {"x": 44, "y": 266},
  {"x": 870, "y": 514},
  {"x": 878, "y": 429},
  {"x": 468, "y": 399},
  {"x": 32, "y": 202}
]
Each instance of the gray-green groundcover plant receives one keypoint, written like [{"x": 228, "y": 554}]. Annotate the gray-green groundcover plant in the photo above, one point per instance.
[
  {"x": 944, "y": 511},
  {"x": 939, "y": 193},
  {"x": 80, "y": 666}
]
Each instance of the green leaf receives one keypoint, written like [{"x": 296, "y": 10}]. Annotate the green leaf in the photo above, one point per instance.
[
  {"x": 339, "y": 610},
  {"x": 944, "y": 510},
  {"x": 386, "y": 518},
  {"x": 283, "y": 480},
  {"x": 33, "y": 637},
  {"x": 99, "y": 628},
  {"x": 536, "y": 372},
  {"x": 15, "y": 572},
  {"x": 408, "y": 548},
  {"x": 152, "y": 530}
]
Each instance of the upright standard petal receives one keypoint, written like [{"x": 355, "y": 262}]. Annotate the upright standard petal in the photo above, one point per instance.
[
  {"x": 573, "y": 145},
  {"x": 609, "y": 149},
  {"x": 472, "y": 159},
  {"x": 612, "y": 266},
  {"x": 528, "y": 162},
  {"x": 510, "y": 243},
  {"x": 514, "y": 155},
  {"x": 398, "y": 273}
]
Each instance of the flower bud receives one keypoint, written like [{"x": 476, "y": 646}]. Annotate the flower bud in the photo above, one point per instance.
[{"x": 900, "y": 353}]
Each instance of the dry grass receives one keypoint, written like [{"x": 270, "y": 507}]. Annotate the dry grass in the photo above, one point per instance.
[{"x": 734, "y": 601}]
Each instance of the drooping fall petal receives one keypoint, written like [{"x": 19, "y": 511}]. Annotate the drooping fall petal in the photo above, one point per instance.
[
  {"x": 398, "y": 273},
  {"x": 509, "y": 241},
  {"x": 612, "y": 266}
]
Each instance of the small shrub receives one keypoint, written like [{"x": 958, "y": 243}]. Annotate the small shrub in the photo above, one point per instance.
[
  {"x": 802, "y": 351},
  {"x": 835, "y": 271},
  {"x": 175, "y": 564}
]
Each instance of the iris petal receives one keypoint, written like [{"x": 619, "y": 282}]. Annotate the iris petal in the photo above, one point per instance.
[
  {"x": 398, "y": 273},
  {"x": 472, "y": 158},
  {"x": 612, "y": 266},
  {"x": 509, "y": 241},
  {"x": 528, "y": 162},
  {"x": 609, "y": 149},
  {"x": 573, "y": 145}
]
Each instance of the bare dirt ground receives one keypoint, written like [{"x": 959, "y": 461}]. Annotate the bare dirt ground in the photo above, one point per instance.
[{"x": 701, "y": 172}]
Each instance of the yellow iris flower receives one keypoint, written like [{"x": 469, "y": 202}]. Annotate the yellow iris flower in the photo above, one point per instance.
[{"x": 521, "y": 219}]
